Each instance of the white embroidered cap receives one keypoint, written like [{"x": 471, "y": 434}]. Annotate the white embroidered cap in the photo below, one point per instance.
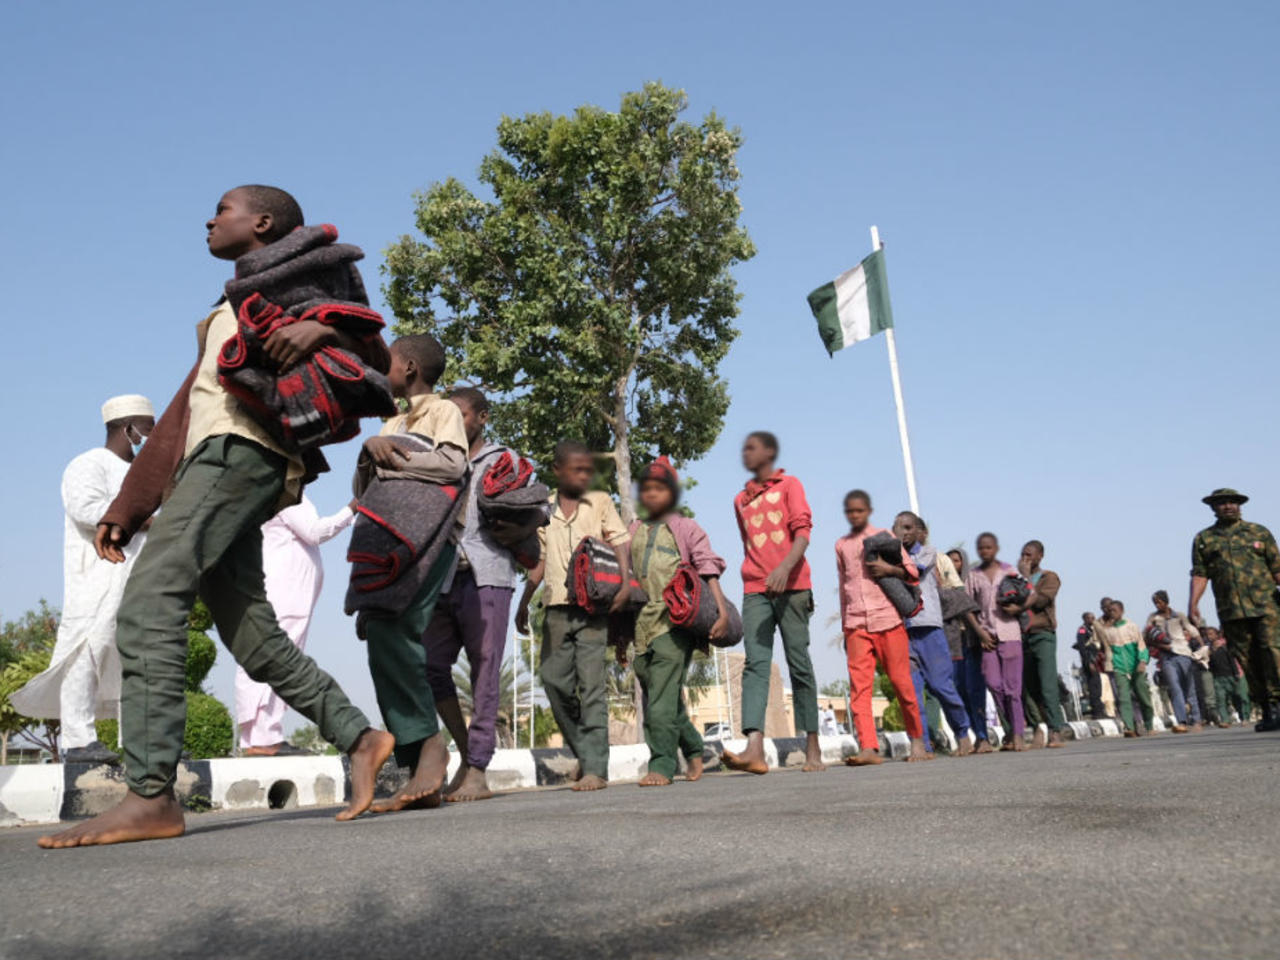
[{"x": 128, "y": 405}]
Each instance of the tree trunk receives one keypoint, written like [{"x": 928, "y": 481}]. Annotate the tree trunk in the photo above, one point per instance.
[
  {"x": 4, "y": 749},
  {"x": 622, "y": 451}
]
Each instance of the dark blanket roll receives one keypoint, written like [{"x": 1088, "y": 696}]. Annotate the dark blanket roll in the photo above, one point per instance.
[
  {"x": 905, "y": 597},
  {"x": 514, "y": 508},
  {"x": 402, "y": 526},
  {"x": 692, "y": 607},
  {"x": 594, "y": 578},
  {"x": 1014, "y": 588}
]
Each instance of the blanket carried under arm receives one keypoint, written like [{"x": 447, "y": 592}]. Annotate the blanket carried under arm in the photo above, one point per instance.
[
  {"x": 692, "y": 607},
  {"x": 905, "y": 596},
  {"x": 514, "y": 507},
  {"x": 306, "y": 276},
  {"x": 594, "y": 578},
  {"x": 402, "y": 526}
]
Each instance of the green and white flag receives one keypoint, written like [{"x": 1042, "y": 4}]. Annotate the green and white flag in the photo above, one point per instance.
[{"x": 855, "y": 306}]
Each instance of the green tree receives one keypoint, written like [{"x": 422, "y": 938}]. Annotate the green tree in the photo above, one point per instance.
[
  {"x": 592, "y": 295},
  {"x": 837, "y": 688}
]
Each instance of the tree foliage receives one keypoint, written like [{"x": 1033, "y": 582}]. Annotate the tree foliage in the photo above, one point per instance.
[{"x": 591, "y": 296}]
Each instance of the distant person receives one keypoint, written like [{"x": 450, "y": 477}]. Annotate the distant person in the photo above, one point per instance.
[
  {"x": 930, "y": 655},
  {"x": 574, "y": 641},
  {"x": 1129, "y": 658},
  {"x": 827, "y": 722},
  {"x": 293, "y": 573},
  {"x": 1040, "y": 647},
  {"x": 966, "y": 640},
  {"x": 1002, "y": 650},
  {"x": 1229, "y": 684},
  {"x": 83, "y": 677},
  {"x": 1242, "y": 562},
  {"x": 660, "y": 544},
  {"x": 1176, "y": 664},
  {"x": 775, "y": 522},
  {"x": 1091, "y": 662},
  {"x": 874, "y": 631},
  {"x": 1206, "y": 702}
]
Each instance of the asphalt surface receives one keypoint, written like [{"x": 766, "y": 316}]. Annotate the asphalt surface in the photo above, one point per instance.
[{"x": 1164, "y": 848}]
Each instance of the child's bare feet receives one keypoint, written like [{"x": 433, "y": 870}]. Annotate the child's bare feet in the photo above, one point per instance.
[
  {"x": 965, "y": 748},
  {"x": 133, "y": 818},
  {"x": 984, "y": 746},
  {"x": 750, "y": 760},
  {"x": 864, "y": 758},
  {"x": 588, "y": 782},
  {"x": 422, "y": 792},
  {"x": 813, "y": 755},
  {"x": 367, "y": 757},
  {"x": 473, "y": 785},
  {"x": 654, "y": 780},
  {"x": 1037, "y": 739},
  {"x": 694, "y": 770},
  {"x": 918, "y": 753}
]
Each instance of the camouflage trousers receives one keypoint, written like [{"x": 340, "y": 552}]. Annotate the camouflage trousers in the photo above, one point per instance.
[{"x": 1255, "y": 642}]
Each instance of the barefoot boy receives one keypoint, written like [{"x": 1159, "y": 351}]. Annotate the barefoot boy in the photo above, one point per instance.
[
  {"x": 873, "y": 629},
  {"x": 659, "y": 545},
  {"x": 208, "y": 539},
  {"x": 573, "y": 640},
  {"x": 775, "y": 523},
  {"x": 397, "y": 655}
]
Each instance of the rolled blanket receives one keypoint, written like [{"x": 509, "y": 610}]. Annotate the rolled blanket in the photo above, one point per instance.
[
  {"x": 304, "y": 276},
  {"x": 513, "y": 507},
  {"x": 692, "y": 607},
  {"x": 905, "y": 597},
  {"x": 1157, "y": 639},
  {"x": 401, "y": 527},
  {"x": 594, "y": 578},
  {"x": 1015, "y": 589}
]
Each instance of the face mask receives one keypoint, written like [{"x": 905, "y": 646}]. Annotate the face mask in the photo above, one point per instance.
[{"x": 129, "y": 435}]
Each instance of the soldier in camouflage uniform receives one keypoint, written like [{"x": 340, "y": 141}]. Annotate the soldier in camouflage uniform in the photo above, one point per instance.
[{"x": 1242, "y": 561}]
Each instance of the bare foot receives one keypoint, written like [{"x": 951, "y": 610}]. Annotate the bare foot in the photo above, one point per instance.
[
  {"x": 1056, "y": 742},
  {"x": 654, "y": 780},
  {"x": 133, "y": 818},
  {"x": 1037, "y": 740},
  {"x": 574, "y": 775},
  {"x": 812, "y": 755},
  {"x": 459, "y": 775},
  {"x": 422, "y": 792},
  {"x": 984, "y": 746},
  {"x": 1196, "y": 728},
  {"x": 750, "y": 760},
  {"x": 588, "y": 782},
  {"x": 864, "y": 758},
  {"x": 694, "y": 770},
  {"x": 918, "y": 753},
  {"x": 1016, "y": 744},
  {"x": 473, "y": 786},
  {"x": 965, "y": 748}
]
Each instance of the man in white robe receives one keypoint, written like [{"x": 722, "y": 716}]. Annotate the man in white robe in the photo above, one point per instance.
[
  {"x": 294, "y": 575},
  {"x": 83, "y": 679}
]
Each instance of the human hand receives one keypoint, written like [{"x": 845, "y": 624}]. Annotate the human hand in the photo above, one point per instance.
[
  {"x": 720, "y": 629},
  {"x": 1193, "y": 612},
  {"x": 988, "y": 641},
  {"x": 355, "y": 502},
  {"x": 1011, "y": 609},
  {"x": 621, "y": 599},
  {"x": 294, "y": 342},
  {"x": 109, "y": 541},
  {"x": 776, "y": 582},
  {"x": 385, "y": 452},
  {"x": 879, "y": 568},
  {"x": 522, "y": 618},
  {"x": 620, "y": 653}
]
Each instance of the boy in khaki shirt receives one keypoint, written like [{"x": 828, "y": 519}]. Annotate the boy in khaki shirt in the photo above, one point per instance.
[
  {"x": 397, "y": 656},
  {"x": 574, "y": 641}
]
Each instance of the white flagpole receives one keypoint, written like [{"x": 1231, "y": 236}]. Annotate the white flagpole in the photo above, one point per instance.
[{"x": 897, "y": 399}]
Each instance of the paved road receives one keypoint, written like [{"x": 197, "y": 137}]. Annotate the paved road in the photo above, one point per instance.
[{"x": 1162, "y": 848}]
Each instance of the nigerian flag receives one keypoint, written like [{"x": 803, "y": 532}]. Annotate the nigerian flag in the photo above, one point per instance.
[{"x": 855, "y": 306}]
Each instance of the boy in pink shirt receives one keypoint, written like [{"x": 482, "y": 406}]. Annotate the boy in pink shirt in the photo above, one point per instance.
[
  {"x": 873, "y": 629},
  {"x": 775, "y": 522}
]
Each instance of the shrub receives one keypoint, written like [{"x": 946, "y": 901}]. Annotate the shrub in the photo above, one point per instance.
[
  {"x": 201, "y": 653},
  {"x": 209, "y": 728}
]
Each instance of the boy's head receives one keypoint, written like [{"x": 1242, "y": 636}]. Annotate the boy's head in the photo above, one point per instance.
[
  {"x": 908, "y": 528},
  {"x": 957, "y": 559},
  {"x": 988, "y": 546},
  {"x": 250, "y": 217},
  {"x": 857, "y": 508},
  {"x": 1161, "y": 599},
  {"x": 759, "y": 450},
  {"x": 475, "y": 411},
  {"x": 659, "y": 488},
  {"x": 417, "y": 360},
  {"x": 574, "y": 467},
  {"x": 1116, "y": 609},
  {"x": 1032, "y": 554},
  {"x": 1212, "y": 635}
]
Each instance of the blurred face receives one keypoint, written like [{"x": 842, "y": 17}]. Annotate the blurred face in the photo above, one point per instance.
[
  {"x": 139, "y": 428},
  {"x": 1088, "y": 619},
  {"x": 857, "y": 511},
  {"x": 1226, "y": 511},
  {"x": 907, "y": 530},
  {"x": 398, "y": 375},
  {"x": 1216, "y": 639},
  {"x": 1116, "y": 610},
  {"x": 988, "y": 547},
  {"x": 472, "y": 422},
  {"x": 1104, "y": 605},
  {"x": 755, "y": 455},
  {"x": 956, "y": 559},
  {"x": 1162, "y": 605},
  {"x": 574, "y": 476},
  {"x": 1031, "y": 557},
  {"x": 235, "y": 227},
  {"x": 655, "y": 497}
]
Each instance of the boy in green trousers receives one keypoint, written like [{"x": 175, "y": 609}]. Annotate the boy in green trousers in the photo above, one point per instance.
[{"x": 573, "y": 640}]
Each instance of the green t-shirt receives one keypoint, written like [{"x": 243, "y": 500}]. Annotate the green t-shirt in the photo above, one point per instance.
[{"x": 654, "y": 561}]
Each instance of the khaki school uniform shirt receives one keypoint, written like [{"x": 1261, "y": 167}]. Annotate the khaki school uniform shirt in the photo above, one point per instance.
[
  {"x": 215, "y": 412},
  {"x": 596, "y": 516},
  {"x": 432, "y": 416}
]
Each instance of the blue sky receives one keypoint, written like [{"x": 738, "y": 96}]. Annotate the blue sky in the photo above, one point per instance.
[{"x": 1079, "y": 206}]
